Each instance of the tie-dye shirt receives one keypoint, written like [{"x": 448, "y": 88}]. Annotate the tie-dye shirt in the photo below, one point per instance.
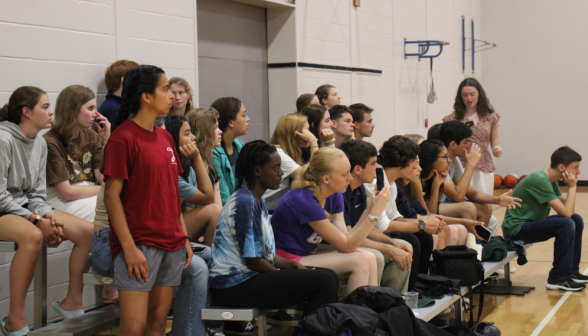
[{"x": 243, "y": 231}]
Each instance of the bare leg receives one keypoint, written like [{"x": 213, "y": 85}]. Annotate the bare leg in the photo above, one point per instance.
[
  {"x": 355, "y": 264},
  {"x": 443, "y": 239},
  {"x": 29, "y": 240},
  {"x": 202, "y": 221},
  {"x": 373, "y": 262},
  {"x": 461, "y": 234},
  {"x": 465, "y": 210},
  {"x": 159, "y": 303},
  {"x": 484, "y": 212},
  {"x": 79, "y": 232},
  {"x": 133, "y": 312}
]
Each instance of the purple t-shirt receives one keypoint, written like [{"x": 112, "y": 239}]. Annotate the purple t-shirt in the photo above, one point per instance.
[{"x": 290, "y": 220}]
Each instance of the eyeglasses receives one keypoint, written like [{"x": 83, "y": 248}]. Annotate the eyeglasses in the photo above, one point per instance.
[{"x": 446, "y": 157}]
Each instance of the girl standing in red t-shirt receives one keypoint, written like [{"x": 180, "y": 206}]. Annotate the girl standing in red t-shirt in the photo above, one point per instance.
[{"x": 148, "y": 235}]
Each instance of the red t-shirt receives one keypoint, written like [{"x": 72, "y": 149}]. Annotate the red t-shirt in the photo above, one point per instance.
[{"x": 150, "y": 196}]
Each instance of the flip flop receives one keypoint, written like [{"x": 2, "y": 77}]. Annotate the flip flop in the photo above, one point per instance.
[
  {"x": 66, "y": 314},
  {"x": 21, "y": 332}
]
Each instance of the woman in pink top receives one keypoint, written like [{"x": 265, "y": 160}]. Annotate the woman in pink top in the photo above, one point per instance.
[{"x": 471, "y": 104}]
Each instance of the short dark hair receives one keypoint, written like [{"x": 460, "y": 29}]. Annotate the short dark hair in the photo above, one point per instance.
[
  {"x": 358, "y": 152},
  {"x": 564, "y": 155},
  {"x": 254, "y": 154},
  {"x": 322, "y": 92},
  {"x": 434, "y": 132},
  {"x": 358, "y": 110},
  {"x": 397, "y": 151},
  {"x": 337, "y": 111},
  {"x": 454, "y": 131},
  {"x": 115, "y": 72}
]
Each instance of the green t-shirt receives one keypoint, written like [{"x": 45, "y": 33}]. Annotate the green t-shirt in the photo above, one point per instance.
[{"x": 536, "y": 191}]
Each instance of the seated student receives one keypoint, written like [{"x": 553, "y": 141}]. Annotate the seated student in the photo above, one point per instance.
[
  {"x": 434, "y": 132},
  {"x": 531, "y": 222},
  {"x": 342, "y": 123},
  {"x": 75, "y": 153},
  {"x": 319, "y": 122},
  {"x": 328, "y": 96},
  {"x": 182, "y": 102},
  {"x": 199, "y": 220},
  {"x": 22, "y": 172},
  {"x": 398, "y": 156},
  {"x": 313, "y": 211},
  {"x": 362, "y": 121},
  {"x": 148, "y": 236},
  {"x": 246, "y": 272},
  {"x": 204, "y": 125},
  {"x": 290, "y": 136},
  {"x": 394, "y": 256},
  {"x": 233, "y": 122},
  {"x": 305, "y": 100},
  {"x": 113, "y": 79},
  {"x": 455, "y": 136}
]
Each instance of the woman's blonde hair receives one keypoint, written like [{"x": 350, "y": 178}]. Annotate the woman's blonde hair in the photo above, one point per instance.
[
  {"x": 322, "y": 163},
  {"x": 284, "y": 138},
  {"x": 203, "y": 125},
  {"x": 67, "y": 107},
  {"x": 182, "y": 82},
  {"x": 416, "y": 138}
]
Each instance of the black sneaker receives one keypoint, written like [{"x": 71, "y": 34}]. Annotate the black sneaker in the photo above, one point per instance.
[
  {"x": 566, "y": 285},
  {"x": 281, "y": 318},
  {"x": 579, "y": 277},
  {"x": 239, "y": 328}
]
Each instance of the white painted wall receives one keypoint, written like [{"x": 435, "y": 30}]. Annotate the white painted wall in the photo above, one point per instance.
[
  {"x": 536, "y": 79},
  {"x": 372, "y": 36}
]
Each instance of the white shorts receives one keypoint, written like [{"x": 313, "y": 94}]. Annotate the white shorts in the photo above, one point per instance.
[
  {"x": 482, "y": 181},
  {"x": 84, "y": 208}
]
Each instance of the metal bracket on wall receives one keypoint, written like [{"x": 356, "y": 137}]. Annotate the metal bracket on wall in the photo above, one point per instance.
[
  {"x": 484, "y": 46},
  {"x": 424, "y": 46}
]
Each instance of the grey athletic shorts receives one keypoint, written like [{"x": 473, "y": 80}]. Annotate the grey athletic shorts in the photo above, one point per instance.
[{"x": 165, "y": 269}]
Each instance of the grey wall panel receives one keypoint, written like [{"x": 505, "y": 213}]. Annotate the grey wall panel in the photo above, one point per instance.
[{"x": 232, "y": 59}]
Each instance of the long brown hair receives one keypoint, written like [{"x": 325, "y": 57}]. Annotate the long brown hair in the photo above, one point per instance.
[
  {"x": 203, "y": 125},
  {"x": 24, "y": 96},
  {"x": 315, "y": 114},
  {"x": 484, "y": 107},
  {"x": 68, "y": 105},
  {"x": 284, "y": 138}
]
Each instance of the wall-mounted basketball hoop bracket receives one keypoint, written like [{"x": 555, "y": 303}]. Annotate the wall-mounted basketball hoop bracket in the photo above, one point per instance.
[
  {"x": 424, "y": 46},
  {"x": 485, "y": 45}
]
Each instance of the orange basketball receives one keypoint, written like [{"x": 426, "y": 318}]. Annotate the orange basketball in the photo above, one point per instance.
[
  {"x": 510, "y": 181},
  {"x": 497, "y": 181}
]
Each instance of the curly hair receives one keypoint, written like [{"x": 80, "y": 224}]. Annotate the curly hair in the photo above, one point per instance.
[
  {"x": 24, "y": 96},
  {"x": 429, "y": 151},
  {"x": 397, "y": 151},
  {"x": 484, "y": 108},
  {"x": 138, "y": 80},
  {"x": 228, "y": 108},
  {"x": 254, "y": 154}
]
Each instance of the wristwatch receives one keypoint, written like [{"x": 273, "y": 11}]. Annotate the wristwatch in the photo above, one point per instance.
[
  {"x": 373, "y": 219},
  {"x": 422, "y": 225},
  {"x": 36, "y": 220}
]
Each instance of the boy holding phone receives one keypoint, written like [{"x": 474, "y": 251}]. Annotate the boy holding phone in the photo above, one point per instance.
[
  {"x": 394, "y": 256},
  {"x": 531, "y": 224}
]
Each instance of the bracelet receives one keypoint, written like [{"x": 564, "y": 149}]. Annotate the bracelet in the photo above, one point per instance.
[{"x": 330, "y": 142}]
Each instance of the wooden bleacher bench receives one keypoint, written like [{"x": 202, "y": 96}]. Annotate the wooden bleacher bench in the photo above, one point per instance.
[
  {"x": 89, "y": 324},
  {"x": 237, "y": 314}
]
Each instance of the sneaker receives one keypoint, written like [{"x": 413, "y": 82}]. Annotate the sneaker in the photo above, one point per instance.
[
  {"x": 566, "y": 285},
  {"x": 212, "y": 332},
  {"x": 579, "y": 277},
  {"x": 239, "y": 328},
  {"x": 281, "y": 318}
]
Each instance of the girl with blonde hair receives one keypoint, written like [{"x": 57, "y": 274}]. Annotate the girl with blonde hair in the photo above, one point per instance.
[
  {"x": 313, "y": 211},
  {"x": 182, "y": 102}
]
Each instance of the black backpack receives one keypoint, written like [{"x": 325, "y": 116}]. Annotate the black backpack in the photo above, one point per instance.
[{"x": 337, "y": 318}]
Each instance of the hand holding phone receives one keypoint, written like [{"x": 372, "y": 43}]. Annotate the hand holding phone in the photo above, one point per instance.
[
  {"x": 380, "y": 178},
  {"x": 484, "y": 232}
]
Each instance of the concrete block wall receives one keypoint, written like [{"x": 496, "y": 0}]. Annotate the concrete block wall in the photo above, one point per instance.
[
  {"x": 53, "y": 44},
  {"x": 372, "y": 36}
]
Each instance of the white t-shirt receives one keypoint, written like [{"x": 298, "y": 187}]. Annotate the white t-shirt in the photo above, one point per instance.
[
  {"x": 391, "y": 212},
  {"x": 455, "y": 171},
  {"x": 288, "y": 167}
]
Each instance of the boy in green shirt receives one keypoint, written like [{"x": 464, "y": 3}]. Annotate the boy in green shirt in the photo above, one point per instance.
[{"x": 531, "y": 224}]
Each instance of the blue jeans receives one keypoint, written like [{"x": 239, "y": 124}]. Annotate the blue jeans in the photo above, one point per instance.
[
  {"x": 567, "y": 249},
  {"x": 192, "y": 294}
]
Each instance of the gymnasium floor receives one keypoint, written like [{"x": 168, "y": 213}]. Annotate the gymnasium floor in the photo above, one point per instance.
[{"x": 541, "y": 312}]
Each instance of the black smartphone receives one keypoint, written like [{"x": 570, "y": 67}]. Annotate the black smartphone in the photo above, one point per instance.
[
  {"x": 469, "y": 123},
  {"x": 380, "y": 178},
  {"x": 196, "y": 249},
  {"x": 484, "y": 232}
]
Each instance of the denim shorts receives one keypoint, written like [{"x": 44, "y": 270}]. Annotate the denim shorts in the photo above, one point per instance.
[{"x": 100, "y": 257}]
